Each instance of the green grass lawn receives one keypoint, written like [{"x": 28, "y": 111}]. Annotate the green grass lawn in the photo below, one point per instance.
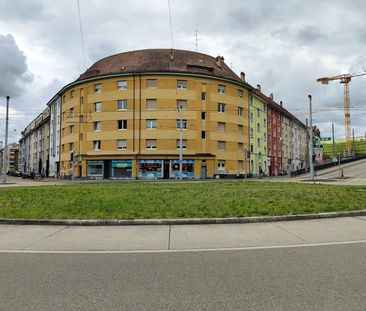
[{"x": 177, "y": 200}]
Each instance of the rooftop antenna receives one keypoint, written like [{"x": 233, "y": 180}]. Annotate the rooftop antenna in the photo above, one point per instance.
[
  {"x": 171, "y": 25},
  {"x": 81, "y": 34},
  {"x": 196, "y": 43}
]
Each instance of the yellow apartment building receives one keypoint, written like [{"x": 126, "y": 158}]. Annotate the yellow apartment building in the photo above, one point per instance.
[{"x": 121, "y": 118}]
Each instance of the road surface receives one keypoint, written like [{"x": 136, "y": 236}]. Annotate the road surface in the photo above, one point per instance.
[{"x": 297, "y": 265}]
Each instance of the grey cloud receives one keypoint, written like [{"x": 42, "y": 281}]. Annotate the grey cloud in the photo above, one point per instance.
[
  {"x": 13, "y": 68},
  {"x": 21, "y": 10}
]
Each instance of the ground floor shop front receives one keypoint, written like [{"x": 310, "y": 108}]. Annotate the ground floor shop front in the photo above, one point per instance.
[{"x": 144, "y": 169}]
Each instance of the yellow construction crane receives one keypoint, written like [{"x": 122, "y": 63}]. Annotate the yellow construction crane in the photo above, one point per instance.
[{"x": 345, "y": 79}]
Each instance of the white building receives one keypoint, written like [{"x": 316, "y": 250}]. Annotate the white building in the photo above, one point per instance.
[{"x": 54, "y": 141}]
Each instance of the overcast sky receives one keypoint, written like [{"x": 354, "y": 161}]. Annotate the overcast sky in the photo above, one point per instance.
[{"x": 282, "y": 45}]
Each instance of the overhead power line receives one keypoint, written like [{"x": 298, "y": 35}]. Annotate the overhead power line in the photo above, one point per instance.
[{"x": 81, "y": 34}]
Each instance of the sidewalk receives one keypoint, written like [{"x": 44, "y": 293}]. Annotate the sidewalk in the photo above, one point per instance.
[{"x": 180, "y": 237}]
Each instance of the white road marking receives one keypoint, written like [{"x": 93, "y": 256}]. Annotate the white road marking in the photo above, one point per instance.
[{"x": 26, "y": 251}]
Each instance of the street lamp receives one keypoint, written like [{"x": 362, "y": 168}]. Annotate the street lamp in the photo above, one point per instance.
[
  {"x": 180, "y": 108},
  {"x": 5, "y": 150},
  {"x": 311, "y": 140}
]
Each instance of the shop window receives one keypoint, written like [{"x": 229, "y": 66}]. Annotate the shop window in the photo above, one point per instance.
[
  {"x": 121, "y": 169},
  {"x": 94, "y": 168},
  {"x": 221, "y": 165}
]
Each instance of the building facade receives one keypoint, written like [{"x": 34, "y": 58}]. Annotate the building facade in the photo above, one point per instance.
[
  {"x": 12, "y": 158},
  {"x": 258, "y": 134},
  {"x": 54, "y": 136},
  {"x": 120, "y": 118}
]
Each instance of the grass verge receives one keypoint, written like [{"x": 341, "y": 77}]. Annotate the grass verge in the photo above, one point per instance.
[{"x": 177, "y": 200}]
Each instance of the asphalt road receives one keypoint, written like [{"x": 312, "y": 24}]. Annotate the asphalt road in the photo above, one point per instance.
[{"x": 329, "y": 277}]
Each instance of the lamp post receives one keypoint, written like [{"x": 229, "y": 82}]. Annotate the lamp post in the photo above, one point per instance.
[
  {"x": 180, "y": 108},
  {"x": 5, "y": 150},
  {"x": 311, "y": 140}
]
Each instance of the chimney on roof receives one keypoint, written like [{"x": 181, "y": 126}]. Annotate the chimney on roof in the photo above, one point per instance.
[
  {"x": 219, "y": 59},
  {"x": 242, "y": 76},
  {"x": 281, "y": 103},
  {"x": 259, "y": 87},
  {"x": 271, "y": 96},
  {"x": 171, "y": 55},
  {"x": 307, "y": 125}
]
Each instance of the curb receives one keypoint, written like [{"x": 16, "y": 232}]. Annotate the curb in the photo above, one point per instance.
[{"x": 178, "y": 221}]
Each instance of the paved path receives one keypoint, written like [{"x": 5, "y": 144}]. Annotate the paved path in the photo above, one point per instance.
[
  {"x": 180, "y": 237},
  {"x": 297, "y": 265}
]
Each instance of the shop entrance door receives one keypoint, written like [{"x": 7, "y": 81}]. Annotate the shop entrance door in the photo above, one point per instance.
[
  {"x": 203, "y": 172},
  {"x": 166, "y": 169}
]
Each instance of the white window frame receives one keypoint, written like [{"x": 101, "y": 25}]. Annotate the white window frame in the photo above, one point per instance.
[
  {"x": 97, "y": 126},
  {"x": 151, "y": 146},
  {"x": 221, "y": 88},
  {"x": 184, "y": 144},
  {"x": 97, "y": 145},
  {"x": 182, "y": 85},
  {"x": 151, "y": 102},
  {"x": 221, "y": 108},
  {"x": 124, "y": 124},
  {"x": 97, "y": 88},
  {"x": 123, "y": 145},
  {"x": 182, "y": 103},
  {"x": 221, "y": 165},
  {"x": 184, "y": 124},
  {"x": 97, "y": 107},
  {"x": 151, "y": 124},
  {"x": 153, "y": 81},
  {"x": 122, "y": 85},
  {"x": 124, "y": 104},
  {"x": 221, "y": 126},
  {"x": 240, "y": 111}
]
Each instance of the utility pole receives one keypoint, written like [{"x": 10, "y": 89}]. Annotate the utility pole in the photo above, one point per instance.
[
  {"x": 5, "y": 150},
  {"x": 180, "y": 108},
  {"x": 353, "y": 141},
  {"x": 311, "y": 141},
  {"x": 333, "y": 140}
]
